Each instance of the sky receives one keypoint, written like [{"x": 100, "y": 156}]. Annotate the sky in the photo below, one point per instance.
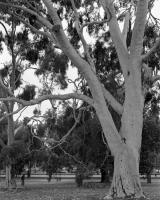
[{"x": 30, "y": 78}]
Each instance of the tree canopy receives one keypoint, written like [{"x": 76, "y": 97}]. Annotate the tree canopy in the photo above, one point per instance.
[{"x": 117, "y": 68}]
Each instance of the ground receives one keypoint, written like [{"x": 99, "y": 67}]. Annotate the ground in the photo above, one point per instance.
[{"x": 68, "y": 191}]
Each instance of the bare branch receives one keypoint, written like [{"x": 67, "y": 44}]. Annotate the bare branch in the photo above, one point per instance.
[
  {"x": 92, "y": 23},
  {"x": 33, "y": 28},
  {"x": 23, "y": 109},
  {"x": 53, "y": 13},
  {"x": 116, "y": 34},
  {"x": 138, "y": 30},
  {"x": 112, "y": 101},
  {"x": 75, "y": 159},
  {"x": 50, "y": 97},
  {"x": 63, "y": 139},
  {"x": 80, "y": 33},
  {"x": 4, "y": 28},
  {"x": 39, "y": 18},
  {"x": 12, "y": 113},
  {"x": 83, "y": 66},
  {"x": 125, "y": 28},
  {"x": 6, "y": 91},
  {"x": 152, "y": 50}
]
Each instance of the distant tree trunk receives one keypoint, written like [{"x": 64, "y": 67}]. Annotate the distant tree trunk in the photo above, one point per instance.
[
  {"x": 10, "y": 177},
  {"x": 105, "y": 178},
  {"x": 79, "y": 180},
  {"x": 149, "y": 178}
]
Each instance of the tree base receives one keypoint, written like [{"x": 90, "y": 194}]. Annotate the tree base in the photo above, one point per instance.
[{"x": 108, "y": 197}]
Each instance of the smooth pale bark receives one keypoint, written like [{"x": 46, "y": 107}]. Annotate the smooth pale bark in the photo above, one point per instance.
[
  {"x": 124, "y": 145},
  {"x": 126, "y": 181}
]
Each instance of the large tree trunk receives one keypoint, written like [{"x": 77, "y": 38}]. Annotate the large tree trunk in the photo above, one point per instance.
[{"x": 126, "y": 180}]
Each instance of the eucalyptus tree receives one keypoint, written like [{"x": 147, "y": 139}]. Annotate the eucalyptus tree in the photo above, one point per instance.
[
  {"x": 18, "y": 48},
  {"x": 52, "y": 16}
]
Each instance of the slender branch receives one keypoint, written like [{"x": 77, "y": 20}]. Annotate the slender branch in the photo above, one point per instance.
[
  {"x": 75, "y": 159},
  {"x": 12, "y": 113},
  {"x": 50, "y": 97},
  {"x": 4, "y": 28},
  {"x": 23, "y": 109},
  {"x": 27, "y": 10},
  {"x": 30, "y": 6},
  {"x": 80, "y": 33},
  {"x": 63, "y": 139},
  {"x": 32, "y": 27},
  {"x": 6, "y": 90},
  {"x": 152, "y": 50}
]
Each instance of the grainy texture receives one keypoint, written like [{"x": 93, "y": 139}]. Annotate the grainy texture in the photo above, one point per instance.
[{"x": 68, "y": 191}]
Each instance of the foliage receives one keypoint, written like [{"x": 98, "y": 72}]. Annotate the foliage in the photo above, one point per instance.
[
  {"x": 28, "y": 93},
  {"x": 11, "y": 153},
  {"x": 150, "y": 145}
]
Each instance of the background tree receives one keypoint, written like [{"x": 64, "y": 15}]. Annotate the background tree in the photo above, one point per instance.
[
  {"x": 150, "y": 147},
  {"x": 124, "y": 143}
]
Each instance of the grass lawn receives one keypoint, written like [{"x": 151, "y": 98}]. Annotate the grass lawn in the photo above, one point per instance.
[{"x": 67, "y": 191}]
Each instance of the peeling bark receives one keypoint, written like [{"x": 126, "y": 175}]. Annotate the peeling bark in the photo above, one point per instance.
[{"x": 126, "y": 181}]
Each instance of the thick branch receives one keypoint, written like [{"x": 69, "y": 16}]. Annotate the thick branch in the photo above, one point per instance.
[
  {"x": 116, "y": 35},
  {"x": 112, "y": 101},
  {"x": 138, "y": 30},
  {"x": 83, "y": 66},
  {"x": 53, "y": 13},
  {"x": 50, "y": 97},
  {"x": 91, "y": 78}
]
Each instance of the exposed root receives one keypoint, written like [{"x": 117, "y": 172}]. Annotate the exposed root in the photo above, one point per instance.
[{"x": 109, "y": 197}]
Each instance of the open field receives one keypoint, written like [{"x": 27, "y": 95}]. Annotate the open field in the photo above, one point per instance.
[{"x": 68, "y": 191}]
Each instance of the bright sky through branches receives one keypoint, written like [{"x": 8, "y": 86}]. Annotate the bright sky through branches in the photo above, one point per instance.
[{"x": 30, "y": 78}]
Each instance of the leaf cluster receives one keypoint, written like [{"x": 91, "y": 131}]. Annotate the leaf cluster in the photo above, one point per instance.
[
  {"x": 150, "y": 145},
  {"x": 28, "y": 93}
]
